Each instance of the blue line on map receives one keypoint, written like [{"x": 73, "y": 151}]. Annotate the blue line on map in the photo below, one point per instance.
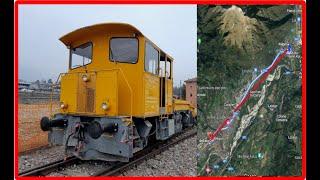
[{"x": 263, "y": 71}]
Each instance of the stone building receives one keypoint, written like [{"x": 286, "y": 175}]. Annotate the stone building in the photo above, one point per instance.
[{"x": 191, "y": 91}]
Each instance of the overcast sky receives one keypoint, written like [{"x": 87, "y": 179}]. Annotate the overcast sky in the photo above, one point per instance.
[{"x": 43, "y": 56}]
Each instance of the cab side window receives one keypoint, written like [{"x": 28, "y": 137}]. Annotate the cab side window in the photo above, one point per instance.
[
  {"x": 124, "y": 50},
  {"x": 151, "y": 59},
  {"x": 168, "y": 69}
]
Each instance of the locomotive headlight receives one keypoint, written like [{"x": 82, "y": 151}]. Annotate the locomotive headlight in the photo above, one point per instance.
[
  {"x": 63, "y": 105},
  {"x": 85, "y": 78},
  {"x": 104, "y": 106}
]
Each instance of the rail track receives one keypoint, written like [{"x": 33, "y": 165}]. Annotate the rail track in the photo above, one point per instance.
[
  {"x": 116, "y": 167},
  {"x": 145, "y": 154},
  {"x": 48, "y": 168}
]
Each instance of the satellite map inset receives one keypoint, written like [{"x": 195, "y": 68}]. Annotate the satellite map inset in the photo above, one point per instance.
[{"x": 249, "y": 90}]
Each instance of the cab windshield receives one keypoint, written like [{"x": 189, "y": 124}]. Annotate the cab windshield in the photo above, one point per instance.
[{"x": 81, "y": 55}]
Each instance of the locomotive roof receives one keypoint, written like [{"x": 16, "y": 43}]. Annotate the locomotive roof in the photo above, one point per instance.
[{"x": 96, "y": 28}]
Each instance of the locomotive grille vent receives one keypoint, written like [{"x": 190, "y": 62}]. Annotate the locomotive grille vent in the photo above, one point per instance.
[
  {"x": 86, "y": 94},
  {"x": 90, "y": 100}
]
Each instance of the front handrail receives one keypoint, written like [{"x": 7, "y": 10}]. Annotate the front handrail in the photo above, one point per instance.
[
  {"x": 52, "y": 88},
  {"x": 95, "y": 71}
]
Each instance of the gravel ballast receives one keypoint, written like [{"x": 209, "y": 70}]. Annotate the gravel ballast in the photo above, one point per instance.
[
  {"x": 40, "y": 157},
  {"x": 178, "y": 160}
]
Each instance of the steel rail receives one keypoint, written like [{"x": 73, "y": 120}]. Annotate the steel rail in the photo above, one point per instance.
[
  {"x": 117, "y": 167},
  {"x": 50, "y": 167},
  {"x": 145, "y": 154}
]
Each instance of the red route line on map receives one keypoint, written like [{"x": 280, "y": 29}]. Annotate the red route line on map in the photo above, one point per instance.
[{"x": 212, "y": 136}]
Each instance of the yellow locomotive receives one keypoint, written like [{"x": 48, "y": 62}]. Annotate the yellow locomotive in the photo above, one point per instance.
[{"x": 116, "y": 95}]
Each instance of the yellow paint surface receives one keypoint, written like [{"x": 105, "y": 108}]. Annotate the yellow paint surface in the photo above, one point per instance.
[{"x": 125, "y": 87}]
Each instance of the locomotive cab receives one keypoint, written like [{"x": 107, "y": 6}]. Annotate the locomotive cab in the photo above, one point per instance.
[{"x": 118, "y": 91}]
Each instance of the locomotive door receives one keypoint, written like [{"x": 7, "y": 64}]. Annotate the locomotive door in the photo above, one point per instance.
[
  {"x": 166, "y": 86},
  {"x": 169, "y": 85},
  {"x": 162, "y": 90}
]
